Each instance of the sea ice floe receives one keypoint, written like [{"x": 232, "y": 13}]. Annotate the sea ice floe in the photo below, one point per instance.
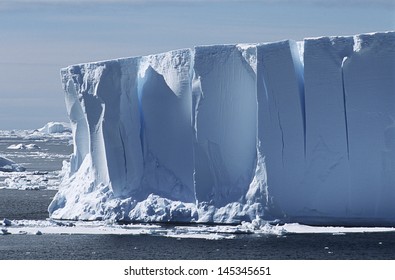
[
  {"x": 192, "y": 231},
  {"x": 23, "y": 147}
]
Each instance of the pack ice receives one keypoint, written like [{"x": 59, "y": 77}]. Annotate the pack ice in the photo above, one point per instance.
[{"x": 297, "y": 131}]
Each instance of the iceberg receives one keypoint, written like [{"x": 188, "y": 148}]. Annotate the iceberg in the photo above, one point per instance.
[
  {"x": 295, "y": 131},
  {"x": 23, "y": 147},
  {"x": 7, "y": 165},
  {"x": 55, "y": 127}
]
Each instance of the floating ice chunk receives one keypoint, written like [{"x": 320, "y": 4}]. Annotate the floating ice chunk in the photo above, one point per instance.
[
  {"x": 7, "y": 165},
  {"x": 4, "y": 231},
  {"x": 7, "y": 222},
  {"x": 23, "y": 147}
]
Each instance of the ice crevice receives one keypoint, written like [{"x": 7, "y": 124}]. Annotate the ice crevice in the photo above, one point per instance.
[
  {"x": 298, "y": 131},
  {"x": 282, "y": 138},
  {"x": 345, "y": 109}
]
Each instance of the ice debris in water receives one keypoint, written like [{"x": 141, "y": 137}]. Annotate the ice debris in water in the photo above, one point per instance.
[
  {"x": 7, "y": 222},
  {"x": 23, "y": 147}
]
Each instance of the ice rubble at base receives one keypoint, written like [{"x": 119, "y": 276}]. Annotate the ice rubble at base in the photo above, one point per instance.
[{"x": 295, "y": 131}]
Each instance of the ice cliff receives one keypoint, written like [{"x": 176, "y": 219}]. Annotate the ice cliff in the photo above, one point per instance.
[{"x": 298, "y": 131}]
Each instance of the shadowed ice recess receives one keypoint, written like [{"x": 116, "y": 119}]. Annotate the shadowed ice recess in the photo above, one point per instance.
[{"x": 296, "y": 131}]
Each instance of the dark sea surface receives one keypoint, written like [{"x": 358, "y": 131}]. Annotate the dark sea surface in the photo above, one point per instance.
[
  {"x": 289, "y": 247},
  {"x": 32, "y": 205},
  {"x": 25, "y": 205},
  {"x": 48, "y": 158}
]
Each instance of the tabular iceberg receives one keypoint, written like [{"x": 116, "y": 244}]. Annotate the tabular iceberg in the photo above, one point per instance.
[{"x": 298, "y": 131}]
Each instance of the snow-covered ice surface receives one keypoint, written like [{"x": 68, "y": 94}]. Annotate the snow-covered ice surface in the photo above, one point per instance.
[{"x": 297, "y": 131}]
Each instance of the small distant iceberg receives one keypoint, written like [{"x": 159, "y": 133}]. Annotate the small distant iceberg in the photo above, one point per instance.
[
  {"x": 58, "y": 130},
  {"x": 23, "y": 147},
  {"x": 49, "y": 130},
  {"x": 55, "y": 127},
  {"x": 7, "y": 165}
]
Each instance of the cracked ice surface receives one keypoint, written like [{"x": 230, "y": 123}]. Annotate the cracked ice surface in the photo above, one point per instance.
[{"x": 299, "y": 131}]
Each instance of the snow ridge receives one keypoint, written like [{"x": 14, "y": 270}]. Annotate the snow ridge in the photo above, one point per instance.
[{"x": 285, "y": 130}]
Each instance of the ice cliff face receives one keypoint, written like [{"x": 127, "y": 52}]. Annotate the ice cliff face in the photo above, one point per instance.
[{"x": 297, "y": 131}]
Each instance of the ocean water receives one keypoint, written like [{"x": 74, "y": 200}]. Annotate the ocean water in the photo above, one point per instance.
[
  {"x": 32, "y": 205},
  {"x": 359, "y": 246},
  {"x": 25, "y": 204},
  {"x": 48, "y": 158}
]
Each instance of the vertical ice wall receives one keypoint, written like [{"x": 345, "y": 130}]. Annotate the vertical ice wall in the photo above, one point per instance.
[
  {"x": 126, "y": 151},
  {"x": 281, "y": 121},
  {"x": 224, "y": 133},
  {"x": 225, "y": 121},
  {"x": 349, "y": 92},
  {"x": 369, "y": 82},
  {"x": 74, "y": 108},
  {"x": 167, "y": 137},
  {"x": 327, "y": 142},
  {"x": 104, "y": 127},
  {"x": 101, "y": 100},
  {"x": 122, "y": 154}
]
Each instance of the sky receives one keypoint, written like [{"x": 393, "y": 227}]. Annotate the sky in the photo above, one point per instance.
[{"x": 39, "y": 37}]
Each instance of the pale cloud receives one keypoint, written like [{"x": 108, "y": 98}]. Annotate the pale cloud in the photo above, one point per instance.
[
  {"x": 7, "y": 5},
  {"x": 317, "y": 2}
]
